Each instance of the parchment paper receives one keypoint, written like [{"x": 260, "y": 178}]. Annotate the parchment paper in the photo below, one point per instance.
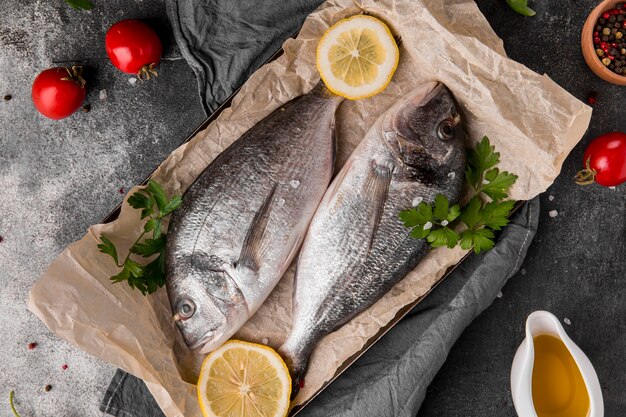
[{"x": 532, "y": 122}]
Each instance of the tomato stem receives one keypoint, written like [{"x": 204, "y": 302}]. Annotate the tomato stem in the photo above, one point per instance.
[
  {"x": 147, "y": 71},
  {"x": 586, "y": 176},
  {"x": 74, "y": 74}
]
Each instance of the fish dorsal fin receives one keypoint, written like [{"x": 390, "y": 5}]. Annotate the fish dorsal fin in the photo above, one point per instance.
[
  {"x": 252, "y": 249},
  {"x": 375, "y": 192}
]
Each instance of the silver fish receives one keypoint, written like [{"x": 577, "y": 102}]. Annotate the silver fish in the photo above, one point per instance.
[
  {"x": 356, "y": 248},
  {"x": 244, "y": 219}
]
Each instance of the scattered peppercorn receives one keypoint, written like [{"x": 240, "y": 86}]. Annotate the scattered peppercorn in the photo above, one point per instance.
[
  {"x": 609, "y": 38},
  {"x": 32, "y": 345},
  {"x": 121, "y": 190},
  {"x": 47, "y": 388},
  {"x": 86, "y": 108},
  {"x": 8, "y": 97},
  {"x": 1, "y": 239},
  {"x": 64, "y": 367},
  {"x": 592, "y": 98}
]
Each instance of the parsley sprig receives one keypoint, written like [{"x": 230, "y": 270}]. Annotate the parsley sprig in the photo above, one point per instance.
[
  {"x": 484, "y": 213},
  {"x": 154, "y": 206},
  {"x": 80, "y": 4},
  {"x": 521, "y": 7}
]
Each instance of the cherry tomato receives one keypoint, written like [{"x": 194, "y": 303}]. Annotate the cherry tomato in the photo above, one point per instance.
[
  {"x": 605, "y": 161},
  {"x": 133, "y": 47},
  {"x": 59, "y": 92}
]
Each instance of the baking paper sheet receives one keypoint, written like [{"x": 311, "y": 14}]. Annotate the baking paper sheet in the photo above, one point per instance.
[{"x": 532, "y": 122}]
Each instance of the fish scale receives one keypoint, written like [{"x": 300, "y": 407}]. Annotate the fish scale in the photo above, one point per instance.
[
  {"x": 242, "y": 221},
  {"x": 357, "y": 248}
]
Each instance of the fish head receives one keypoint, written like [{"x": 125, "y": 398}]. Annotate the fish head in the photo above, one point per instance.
[
  {"x": 201, "y": 316},
  {"x": 424, "y": 129}
]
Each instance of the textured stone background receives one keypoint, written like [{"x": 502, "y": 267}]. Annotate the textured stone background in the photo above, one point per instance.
[{"x": 59, "y": 177}]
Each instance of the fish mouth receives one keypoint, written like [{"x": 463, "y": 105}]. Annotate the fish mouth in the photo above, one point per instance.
[
  {"x": 202, "y": 341},
  {"x": 426, "y": 93}
]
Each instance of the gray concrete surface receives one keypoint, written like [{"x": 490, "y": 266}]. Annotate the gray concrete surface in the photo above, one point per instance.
[{"x": 58, "y": 177}]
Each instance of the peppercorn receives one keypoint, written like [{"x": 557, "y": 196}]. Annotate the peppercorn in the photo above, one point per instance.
[
  {"x": 606, "y": 31},
  {"x": 601, "y": 21},
  {"x": 64, "y": 367},
  {"x": 606, "y": 62},
  {"x": 606, "y": 15},
  {"x": 612, "y": 19},
  {"x": 617, "y": 25},
  {"x": 596, "y": 40},
  {"x": 121, "y": 191},
  {"x": 1, "y": 239},
  {"x": 8, "y": 97},
  {"x": 86, "y": 108},
  {"x": 619, "y": 35},
  {"x": 605, "y": 38},
  {"x": 623, "y": 51},
  {"x": 599, "y": 52},
  {"x": 32, "y": 345},
  {"x": 592, "y": 98},
  {"x": 47, "y": 388}
]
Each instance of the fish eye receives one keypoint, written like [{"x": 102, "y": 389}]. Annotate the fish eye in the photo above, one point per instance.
[
  {"x": 186, "y": 309},
  {"x": 445, "y": 130}
]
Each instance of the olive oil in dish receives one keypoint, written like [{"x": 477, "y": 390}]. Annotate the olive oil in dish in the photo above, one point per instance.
[{"x": 558, "y": 387}]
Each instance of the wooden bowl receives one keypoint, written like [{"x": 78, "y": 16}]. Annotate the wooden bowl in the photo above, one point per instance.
[{"x": 589, "y": 50}]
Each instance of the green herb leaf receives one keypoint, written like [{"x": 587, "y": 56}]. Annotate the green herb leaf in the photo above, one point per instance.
[
  {"x": 149, "y": 247},
  {"x": 154, "y": 226},
  {"x": 159, "y": 195},
  {"x": 15, "y": 413},
  {"x": 443, "y": 236},
  {"x": 521, "y": 7},
  {"x": 80, "y": 4},
  {"x": 172, "y": 205},
  {"x": 441, "y": 207},
  {"x": 496, "y": 214},
  {"x": 154, "y": 273},
  {"x": 142, "y": 200},
  {"x": 479, "y": 239},
  {"x": 108, "y": 247},
  {"x": 480, "y": 159},
  {"x": 471, "y": 215},
  {"x": 498, "y": 183},
  {"x": 455, "y": 211},
  {"x": 419, "y": 232}
]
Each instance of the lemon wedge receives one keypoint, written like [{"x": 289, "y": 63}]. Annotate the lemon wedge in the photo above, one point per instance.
[
  {"x": 242, "y": 379},
  {"x": 357, "y": 57}
]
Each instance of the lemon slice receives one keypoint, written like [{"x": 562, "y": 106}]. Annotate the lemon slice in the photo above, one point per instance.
[
  {"x": 242, "y": 379},
  {"x": 357, "y": 57}
]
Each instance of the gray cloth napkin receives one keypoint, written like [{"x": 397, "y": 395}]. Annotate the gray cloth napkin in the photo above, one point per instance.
[{"x": 225, "y": 41}]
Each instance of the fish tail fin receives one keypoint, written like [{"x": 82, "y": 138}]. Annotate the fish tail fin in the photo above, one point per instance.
[{"x": 297, "y": 361}]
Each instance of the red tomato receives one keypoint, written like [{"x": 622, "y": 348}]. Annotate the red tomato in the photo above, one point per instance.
[
  {"x": 133, "y": 47},
  {"x": 605, "y": 161},
  {"x": 59, "y": 92}
]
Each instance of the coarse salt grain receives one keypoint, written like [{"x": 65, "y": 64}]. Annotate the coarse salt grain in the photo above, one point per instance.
[
  {"x": 428, "y": 225},
  {"x": 452, "y": 175},
  {"x": 103, "y": 95},
  {"x": 265, "y": 340},
  {"x": 567, "y": 321},
  {"x": 553, "y": 213},
  {"x": 417, "y": 200},
  {"x": 551, "y": 197},
  {"x": 499, "y": 294},
  {"x": 444, "y": 223},
  {"x": 132, "y": 81}
]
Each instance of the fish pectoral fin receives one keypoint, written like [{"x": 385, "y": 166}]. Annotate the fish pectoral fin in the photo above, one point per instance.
[
  {"x": 253, "y": 246},
  {"x": 375, "y": 193}
]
